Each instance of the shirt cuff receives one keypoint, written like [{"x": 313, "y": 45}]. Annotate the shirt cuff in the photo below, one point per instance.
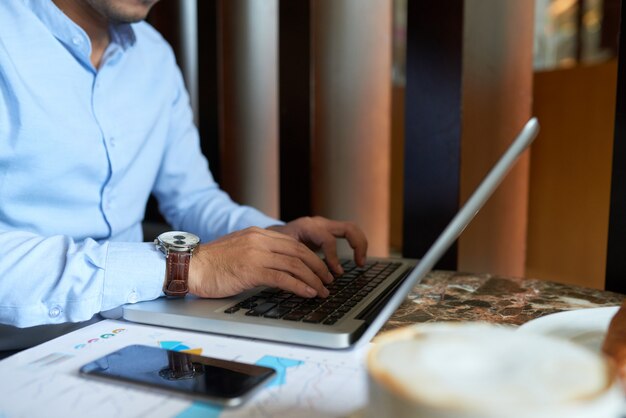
[{"x": 134, "y": 272}]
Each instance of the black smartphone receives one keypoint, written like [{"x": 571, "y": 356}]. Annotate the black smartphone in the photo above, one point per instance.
[{"x": 221, "y": 382}]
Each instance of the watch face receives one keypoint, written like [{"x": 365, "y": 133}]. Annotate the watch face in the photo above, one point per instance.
[{"x": 179, "y": 239}]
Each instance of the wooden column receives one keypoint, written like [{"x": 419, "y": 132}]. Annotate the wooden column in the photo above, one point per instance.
[
  {"x": 249, "y": 97},
  {"x": 497, "y": 101},
  {"x": 352, "y": 115}
]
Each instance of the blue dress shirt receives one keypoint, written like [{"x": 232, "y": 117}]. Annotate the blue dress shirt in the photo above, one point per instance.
[{"x": 81, "y": 149}]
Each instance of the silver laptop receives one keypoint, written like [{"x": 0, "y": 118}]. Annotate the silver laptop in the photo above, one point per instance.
[{"x": 360, "y": 301}]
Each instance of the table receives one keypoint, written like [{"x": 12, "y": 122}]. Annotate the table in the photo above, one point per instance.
[
  {"x": 313, "y": 383},
  {"x": 454, "y": 296}
]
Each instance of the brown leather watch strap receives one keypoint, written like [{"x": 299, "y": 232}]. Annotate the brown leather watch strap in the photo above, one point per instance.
[{"x": 177, "y": 274}]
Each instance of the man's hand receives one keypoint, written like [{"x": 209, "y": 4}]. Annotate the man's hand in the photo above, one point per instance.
[
  {"x": 257, "y": 257},
  {"x": 280, "y": 256},
  {"x": 321, "y": 233}
]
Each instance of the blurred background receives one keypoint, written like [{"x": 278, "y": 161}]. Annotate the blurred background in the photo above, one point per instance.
[{"x": 390, "y": 112}]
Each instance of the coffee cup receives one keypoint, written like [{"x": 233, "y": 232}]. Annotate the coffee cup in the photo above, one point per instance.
[{"x": 479, "y": 370}]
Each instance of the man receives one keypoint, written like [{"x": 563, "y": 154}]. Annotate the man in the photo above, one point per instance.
[{"x": 94, "y": 117}]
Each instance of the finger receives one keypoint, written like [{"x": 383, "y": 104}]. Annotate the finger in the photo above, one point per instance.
[
  {"x": 355, "y": 237},
  {"x": 283, "y": 280},
  {"x": 328, "y": 243},
  {"x": 296, "y": 268},
  {"x": 278, "y": 242},
  {"x": 282, "y": 244},
  {"x": 314, "y": 233}
]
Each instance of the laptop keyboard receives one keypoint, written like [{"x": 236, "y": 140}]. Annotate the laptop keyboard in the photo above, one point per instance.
[{"x": 346, "y": 291}]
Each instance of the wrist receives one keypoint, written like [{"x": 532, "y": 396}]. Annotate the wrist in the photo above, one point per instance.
[{"x": 195, "y": 274}]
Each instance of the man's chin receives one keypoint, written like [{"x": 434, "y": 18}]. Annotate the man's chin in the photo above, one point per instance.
[
  {"x": 128, "y": 16},
  {"x": 122, "y": 11}
]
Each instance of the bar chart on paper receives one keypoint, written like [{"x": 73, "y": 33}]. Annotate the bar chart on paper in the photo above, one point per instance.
[{"x": 308, "y": 382}]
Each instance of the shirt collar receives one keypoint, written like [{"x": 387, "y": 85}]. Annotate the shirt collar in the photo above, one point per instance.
[
  {"x": 72, "y": 35},
  {"x": 123, "y": 35}
]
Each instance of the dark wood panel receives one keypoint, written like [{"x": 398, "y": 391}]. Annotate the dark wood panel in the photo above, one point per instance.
[
  {"x": 616, "y": 246},
  {"x": 433, "y": 123},
  {"x": 208, "y": 83},
  {"x": 610, "y": 25},
  {"x": 165, "y": 17},
  {"x": 295, "y": 108}
]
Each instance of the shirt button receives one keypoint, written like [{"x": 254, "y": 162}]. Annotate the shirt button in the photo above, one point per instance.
[
  {"x": 112, "y": 141},
  {"x": 54, "y": 312},
  {"x": 76, "y": 40},
  {"x": 133, "y": 298}
]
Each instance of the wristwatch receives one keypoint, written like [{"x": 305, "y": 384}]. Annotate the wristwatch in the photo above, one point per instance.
[{"x": 178, "y": 247}]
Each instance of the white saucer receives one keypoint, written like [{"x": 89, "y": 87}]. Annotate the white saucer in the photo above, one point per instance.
[{"x": 583, "y": 326}]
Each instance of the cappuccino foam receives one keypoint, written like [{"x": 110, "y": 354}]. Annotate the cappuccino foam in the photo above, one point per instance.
[{"x": 487, "y": 370}]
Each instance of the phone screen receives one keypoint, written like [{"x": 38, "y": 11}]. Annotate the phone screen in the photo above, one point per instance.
[{"x": 224, "y": 382}]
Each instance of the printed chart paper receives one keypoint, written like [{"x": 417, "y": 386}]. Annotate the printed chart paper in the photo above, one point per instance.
[{"x": 44, "y": 380}]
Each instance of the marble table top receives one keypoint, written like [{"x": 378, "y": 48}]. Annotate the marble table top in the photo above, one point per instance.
[{"x": 454, "y": 296}]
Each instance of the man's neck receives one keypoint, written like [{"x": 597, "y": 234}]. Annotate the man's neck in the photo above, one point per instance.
[{"x": 94, "y": 24}]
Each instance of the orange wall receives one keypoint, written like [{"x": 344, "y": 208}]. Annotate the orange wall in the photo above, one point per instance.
[{"x": 570, "y": 174}]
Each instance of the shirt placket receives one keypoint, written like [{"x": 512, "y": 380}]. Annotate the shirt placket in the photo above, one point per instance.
[{"x": 101, "y": 104}]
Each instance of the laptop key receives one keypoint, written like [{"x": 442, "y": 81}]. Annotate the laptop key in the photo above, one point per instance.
[
  {"x": 247, "y": 304},
  {"x": 277, "y": 312},
  {"x": 330, "y": 321},
  {"x": 294, "y": 316},
  {"x": 289, "y": 304},
  {"x": 305, "y": 309},
  {"x": 315, "y": 317},
  {"x": 325, "y": 309},
  {"x": 261, "y": 309}
]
